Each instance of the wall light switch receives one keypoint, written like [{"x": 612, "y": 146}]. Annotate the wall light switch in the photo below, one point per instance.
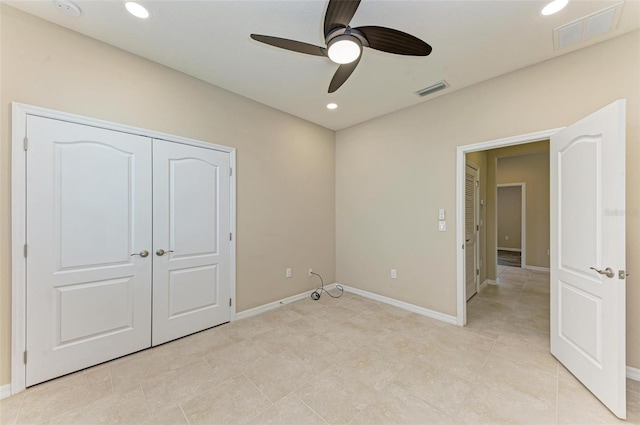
[
  {"x": 441, "y": 214},
  {"x": 394, "y": 273},
  {"x": 442, "y": 226}
]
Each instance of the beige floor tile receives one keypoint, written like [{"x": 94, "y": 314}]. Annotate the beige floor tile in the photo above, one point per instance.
[
  {"x": 245, "y": 328},
  {"x": 288, "y": 411},
  {"x": 460, "y": 363},
  {"x": 348, "y": 336},
  {"x": 336, "y": 399},
  {"x": 395, "y": 346},
  {"x": 521, "y": 331},
  {"x": 503, "y": 373},
  {"x": 319, "y": 350},
  {"x": 397, "y": 406},
  {"x": 304, "y": 307},
  {"x": 436, "y": 386},
  {"x": 9, "y": 408},
  {"x": 280, "y": 339},
  {"x": 570, "y": 413},
  {"x": 525, "y": 354},
  {"x": 280, "y": 375},
  {"x": 633, "y": 385},
  {"x": 280, "y": 316},
  {"x": 370, "y": 366},
  {"x": 173, "y": 416},
  {"x": 127, "y": 407},
  {"x": 199, "y": 345},
  {"x": 174, "y": 387},
  {"x": 456, "y": 337},
  {"x": 235, "y": 359},
  {"x": 234, "y": 401},
  {"x": 505, "y": 404},
  {"x": 129, "y": 371},
  {"x": 52, "y": 398}
]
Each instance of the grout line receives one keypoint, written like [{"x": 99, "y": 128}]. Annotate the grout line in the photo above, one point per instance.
[
  {"x": 184, "y": 414},
  {"x": 311, "y": 408}
]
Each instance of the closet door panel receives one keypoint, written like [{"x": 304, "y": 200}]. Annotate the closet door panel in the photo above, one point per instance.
[
  {"x": 88, "y": 210},
  {"x": 191, "y": 213}
]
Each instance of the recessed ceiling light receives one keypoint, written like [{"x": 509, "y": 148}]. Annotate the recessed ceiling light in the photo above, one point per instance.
[
  {"x": 137, "y": 10},
  {"x": 554, "y": 7},
  {"x": 332, "y": 105}
]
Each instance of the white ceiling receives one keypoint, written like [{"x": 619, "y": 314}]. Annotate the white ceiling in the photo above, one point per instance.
[{"x": 472, "y": 41}]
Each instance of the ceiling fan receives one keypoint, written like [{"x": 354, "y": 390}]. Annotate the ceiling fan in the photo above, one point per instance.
[{"x": 345, "y": 44}]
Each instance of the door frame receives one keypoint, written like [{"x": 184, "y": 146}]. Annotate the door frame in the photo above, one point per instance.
[
  {"x": 523, "y": 219},
  {"x": 20, "y": 112},
  {"x": 461, "y": 151}
]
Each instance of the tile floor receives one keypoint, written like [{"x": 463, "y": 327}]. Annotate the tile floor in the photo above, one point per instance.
[{"x": 340, "y": 361}]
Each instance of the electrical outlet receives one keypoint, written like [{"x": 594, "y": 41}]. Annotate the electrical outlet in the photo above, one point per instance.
[
  {"x": 310, "y": 271},
  {"x": 506, "y": 238},
  {"x": 394, "y": 273},
  {"x": 288, "y": 272}
]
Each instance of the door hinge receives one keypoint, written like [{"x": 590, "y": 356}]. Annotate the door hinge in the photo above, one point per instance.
[
  {"x": 24, "y": 357},
  {"x": 478, "y": 272},
  {"x": 25, "y": 250},
  {"x": 230, "y": 236},
  {"x": 229, "y": 302},
  {"x": 25, "y": 143},
  {"x": 477, "y": 227},
  {"x": 231, "y": 171}
]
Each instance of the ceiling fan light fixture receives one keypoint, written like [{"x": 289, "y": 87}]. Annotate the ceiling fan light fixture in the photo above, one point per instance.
[
  {"x": 332, "y": 105},
  {"x": 554, "y": 7},
  {"x": 344, "y": 49}
]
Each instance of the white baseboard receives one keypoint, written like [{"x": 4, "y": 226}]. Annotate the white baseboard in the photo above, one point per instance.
[
  {"x": 537, "y": 268},
  {"x": 483, "y": 285},
  {"x": 509, "y": 249},
  {"x": 5, "y": 391},
  {"x": 403, "y": 305},
  {"x": 270, "y": 306},
  {"x": 633, "y": 373},
  {"x": 491, "y": 282}
]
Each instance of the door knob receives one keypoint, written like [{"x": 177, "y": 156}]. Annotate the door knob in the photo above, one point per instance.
[
  {"x": 143, "y": 253},
  {"x": 161, "y": 252},
  {"x": 607, "y": 272}
]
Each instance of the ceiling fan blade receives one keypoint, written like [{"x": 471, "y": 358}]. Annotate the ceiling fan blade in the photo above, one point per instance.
[
  {"x": 296, "y": 46},
  {"x": 339, "y": 14},
  {"x": 394, "y": 41},
  {"x": 341, "y": 75}
]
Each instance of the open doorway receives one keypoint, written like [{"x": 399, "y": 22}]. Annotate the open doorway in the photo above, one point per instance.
[{"x": 511, "y": 224}]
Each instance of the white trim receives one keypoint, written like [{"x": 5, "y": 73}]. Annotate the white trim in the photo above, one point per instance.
[
  {"x": 403, "y": 305},
  {"x": 5, "y": 391},
  {"x": 275, "y": 304},
  {"x": 483, "y": 285},
  {"x": 18, "y": 215},
  {"x": 537, "y": 268},
  {"x": 491, "y": 282},
  {"x": 523, "y": 216},
  {"x": 461, "y": 305},
  {"x": 500, "y": 248},
  {"x": 633, "y": 373}
]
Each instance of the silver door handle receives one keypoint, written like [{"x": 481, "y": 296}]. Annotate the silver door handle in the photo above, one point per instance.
[
  {"x": 143, "y": 253},
  {"x": 607, "y": 272},
  {"x": 161, "y": 252}
]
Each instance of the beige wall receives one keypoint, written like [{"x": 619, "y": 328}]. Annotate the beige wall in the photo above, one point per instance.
[
  {"x": 534, "y": 171},
  {"x": 537, "y": 201},
  {"x": 285, "y": 168},
  {"x": 509, "y": 217},
  {"x": 394, "y": 172}
]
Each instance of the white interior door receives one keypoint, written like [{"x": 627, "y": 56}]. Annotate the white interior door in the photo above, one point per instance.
[
  {"x": 88, "y": 210},
  {"x": 191, "y": 214},
  {"x": 588, "y": 231},
  {"x": 471, "y": 231}
]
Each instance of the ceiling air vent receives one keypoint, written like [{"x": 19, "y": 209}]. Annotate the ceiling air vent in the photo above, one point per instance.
[
  {"x": 432, "y": 88},
  {"x": 583, "y": 29}
]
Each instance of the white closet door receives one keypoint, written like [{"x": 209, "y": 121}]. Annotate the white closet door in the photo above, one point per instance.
[
  {"x": 88, "y": 210},
  {"x": 191, "y": 214}
]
